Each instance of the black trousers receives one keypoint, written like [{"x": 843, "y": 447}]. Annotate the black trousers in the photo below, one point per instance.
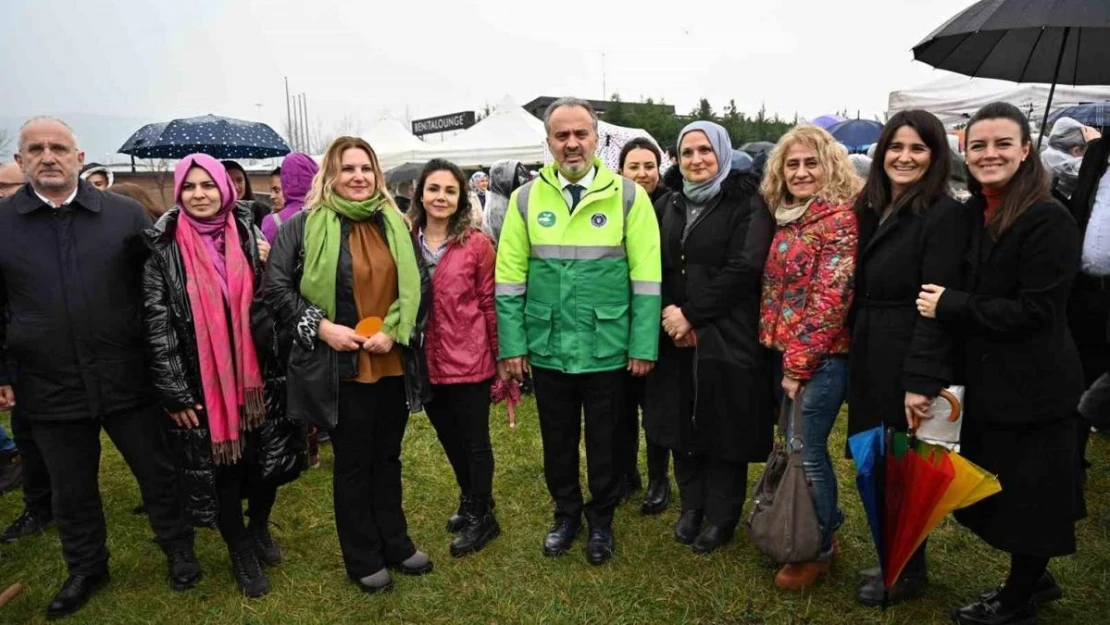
[
  {"x": 715, "y": 487},
  {"x": 36, "y": 478},
  {"x": 239, "y": 481},
  {"x": 366, "y": 441},
  {"x": 460, "y": 415},
  {"x": 562, "y": 398},
  {"x": 627, "y": 439},
  {"x": 1088, "y": 315},
  {"x": 71, "y": 450}
]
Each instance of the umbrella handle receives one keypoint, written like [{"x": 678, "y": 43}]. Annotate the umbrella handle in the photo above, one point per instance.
[{"x": 952, "y": 400}]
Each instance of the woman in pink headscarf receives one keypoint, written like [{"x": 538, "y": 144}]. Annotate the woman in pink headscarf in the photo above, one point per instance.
[{"x": 217, "y": 377}]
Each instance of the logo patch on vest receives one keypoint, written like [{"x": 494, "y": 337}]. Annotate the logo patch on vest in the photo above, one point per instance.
[
  {"x": 598, "y": 220},
  {"x": 546, "y": 219}
]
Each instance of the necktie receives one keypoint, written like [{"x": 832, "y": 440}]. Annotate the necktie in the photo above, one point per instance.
[{"x": 575, "y": 195}]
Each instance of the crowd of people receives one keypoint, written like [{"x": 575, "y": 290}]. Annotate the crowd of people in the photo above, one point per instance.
[{"x": 213, "y": 343}]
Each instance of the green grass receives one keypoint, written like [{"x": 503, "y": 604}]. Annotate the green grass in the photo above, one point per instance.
[{"x": 651, "y": 580}]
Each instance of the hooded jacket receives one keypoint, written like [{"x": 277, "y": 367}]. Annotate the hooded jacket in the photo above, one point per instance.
[
  {"x": 297, "y": 171},
  {"x": 504, "y": 178},
  {"x": 808, "y": 283}
]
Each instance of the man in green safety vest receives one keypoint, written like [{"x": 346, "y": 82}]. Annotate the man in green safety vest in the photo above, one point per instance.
[{"x": 578, "y": 302}]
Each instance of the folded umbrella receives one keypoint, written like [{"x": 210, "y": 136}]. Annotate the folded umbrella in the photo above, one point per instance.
[
  {"x": 921, "y": 482},
  {"x": 868, "y": 451}
]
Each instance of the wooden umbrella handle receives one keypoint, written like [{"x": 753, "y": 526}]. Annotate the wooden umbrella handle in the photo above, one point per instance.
[
  {"x": 10, "y": 593},
  {"x": 954, "y": 402}
]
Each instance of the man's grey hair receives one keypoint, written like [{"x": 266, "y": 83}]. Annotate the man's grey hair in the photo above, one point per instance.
[
  {"x": 568, "y": 101},
  {"x": 46, "y": 118}
]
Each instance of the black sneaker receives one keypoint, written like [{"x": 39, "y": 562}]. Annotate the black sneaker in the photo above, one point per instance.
[
  {"x": 265, "y": 548},
  {"x": 26, "y": 524},
  {"x": 11, "y": 471},
  {"x": 248, "y": 572},
  {"x": 184, "y": 569}
]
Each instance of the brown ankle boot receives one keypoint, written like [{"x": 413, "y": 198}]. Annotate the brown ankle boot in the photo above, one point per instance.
[{"x": 800, "y": 575}]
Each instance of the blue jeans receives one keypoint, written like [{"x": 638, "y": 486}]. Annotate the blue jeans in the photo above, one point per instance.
[
  {"x": 6, "y": 443},
  {"x": 821, "y": 399}
]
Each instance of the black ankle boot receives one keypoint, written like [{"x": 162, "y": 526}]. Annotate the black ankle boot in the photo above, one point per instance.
[
  {"x": 248, "y": 572},
  {"x": 457, "y": 521},
  {"x": 481, "y": 527}
]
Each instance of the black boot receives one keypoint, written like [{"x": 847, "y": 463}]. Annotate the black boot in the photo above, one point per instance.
[
  {"x": 457, "y": 521},
  {"x": 248, "y": 572},
  {"x": 481, "y": 527},
  {"x": 688, "y": 527},
  {"x": 657, "y": 497},
  {"x": 267, "y": 551},
  {"x": 909, "y": 585}
]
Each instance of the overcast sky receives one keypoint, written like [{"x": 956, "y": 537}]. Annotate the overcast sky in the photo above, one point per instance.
[{"x": 417, "y": 58}]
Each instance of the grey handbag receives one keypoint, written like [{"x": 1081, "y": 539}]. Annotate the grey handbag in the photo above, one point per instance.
[{"x": 783, "y": 522}]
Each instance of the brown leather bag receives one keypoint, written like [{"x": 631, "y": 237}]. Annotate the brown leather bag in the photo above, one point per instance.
[{"x": 783, "y": 522}]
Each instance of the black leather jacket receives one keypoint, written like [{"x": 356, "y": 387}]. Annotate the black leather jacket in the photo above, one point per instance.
[
  {"x": 280, "y": 445},
  {"x": 315, "y": 369}
]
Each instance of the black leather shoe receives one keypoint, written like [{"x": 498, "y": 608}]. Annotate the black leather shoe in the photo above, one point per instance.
[
  {"x": 74, "y": 593},
  {"x": 992, "y": 613},
  {"x": 184, "y": 569},
  {"x": 657, "y": 497},
  {"x": 457, "y": 521},
  {"x": 688, "y": 527},
  {"x": 711, "y": 537},
  {"x": 248, "y": 572},
  {"x": 1044, "y": 591},
  {"x": 560, "y": 536},
  {"x": 871, "y": 592},
  {"x": 480, "y": 529},
  {"x": 26, "y": 524},
  {"x": 599, "y": 549}
]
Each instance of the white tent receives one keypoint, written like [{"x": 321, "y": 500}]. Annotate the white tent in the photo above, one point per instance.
[
  {"x": 610, "y": 141},
  {"x": 510, "y": 132},
  {"x": 394, "y": 144},
  {"x": 955, "y": 98}
]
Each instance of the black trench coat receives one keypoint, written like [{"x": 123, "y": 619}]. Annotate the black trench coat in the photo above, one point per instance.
[
  {"x": 1024, "y": 378},
  {"x": 895, "y": 349},
  {"x": 714, "y": 399}
]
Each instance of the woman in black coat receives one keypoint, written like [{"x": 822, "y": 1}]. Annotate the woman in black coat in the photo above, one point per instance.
[
  {"x": 1023, "y": 373},
  {"x": 216, "y": 474},
  {"x": 911, "y": 233},
  {"x": 639, "y": 161},
  {"x": 709, "y": 397}
]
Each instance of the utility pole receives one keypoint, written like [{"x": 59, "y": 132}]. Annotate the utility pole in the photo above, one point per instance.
[
  {"x": 307, "y": 130},
  {"x": 288, "y": 115},
  {"x": 604, "y": 91}
]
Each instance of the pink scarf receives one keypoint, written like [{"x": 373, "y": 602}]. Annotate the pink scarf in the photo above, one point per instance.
[{"x": 219, "y": 279}]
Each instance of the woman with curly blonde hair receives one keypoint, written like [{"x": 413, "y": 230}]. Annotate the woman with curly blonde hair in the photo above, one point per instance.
[{"x": 809, "y": 186}]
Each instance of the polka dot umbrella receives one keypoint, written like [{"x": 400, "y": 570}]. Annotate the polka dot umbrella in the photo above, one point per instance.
[{"x": 218, "y": 137}]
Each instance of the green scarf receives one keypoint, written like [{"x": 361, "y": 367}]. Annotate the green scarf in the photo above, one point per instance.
[{"x": 322, "y": 235}]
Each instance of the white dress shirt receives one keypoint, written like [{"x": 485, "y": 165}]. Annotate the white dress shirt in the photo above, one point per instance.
[
  {"x": 585, "y": 183},
  {"x": 1096, "y": 243},
  {"x": 52, "y": 204}
]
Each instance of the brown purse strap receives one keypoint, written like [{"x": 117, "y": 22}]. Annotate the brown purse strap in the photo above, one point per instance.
[{"x": 790, "y": 419}]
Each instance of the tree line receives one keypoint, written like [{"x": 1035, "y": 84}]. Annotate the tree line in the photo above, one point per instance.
[{"x": 665, "y": 127}]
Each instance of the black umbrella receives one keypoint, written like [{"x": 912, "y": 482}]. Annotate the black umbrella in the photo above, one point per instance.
[
  {"x": 1042, "y": 41},
  {"x": 219, "y": 137},
  {"x": 755, "y": 147},
  {"x": 401, "y": 173}
]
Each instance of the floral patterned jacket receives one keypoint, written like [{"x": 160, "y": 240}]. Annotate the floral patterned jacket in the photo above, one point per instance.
[{"x": 808, "y": 285}]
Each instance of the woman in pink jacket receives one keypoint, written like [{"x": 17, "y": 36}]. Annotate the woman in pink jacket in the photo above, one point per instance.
[{"x": 460, "y": 343}]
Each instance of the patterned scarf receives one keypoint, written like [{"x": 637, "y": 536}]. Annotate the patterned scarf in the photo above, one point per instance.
[{"x": 220, "y": 286}]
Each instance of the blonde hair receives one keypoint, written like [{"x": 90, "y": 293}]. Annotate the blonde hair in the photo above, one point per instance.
[
  {"x": 323, "y": 183},
  {"x": 842, "y": 184}
]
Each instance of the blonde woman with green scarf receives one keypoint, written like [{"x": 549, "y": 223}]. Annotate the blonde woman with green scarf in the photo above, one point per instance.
[{"x": 346, "y": 285}]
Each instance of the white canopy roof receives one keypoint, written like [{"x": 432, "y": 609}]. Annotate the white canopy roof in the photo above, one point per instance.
[
  {"x": 510, "y": 132},
  {"x": 954, "y": 98},
  {"x": 394, "y": 143}
]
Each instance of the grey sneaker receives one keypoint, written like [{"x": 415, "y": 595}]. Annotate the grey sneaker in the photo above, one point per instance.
[
  {"x": 417, "y": 564},
  {"x": 378, "y": 582}
]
